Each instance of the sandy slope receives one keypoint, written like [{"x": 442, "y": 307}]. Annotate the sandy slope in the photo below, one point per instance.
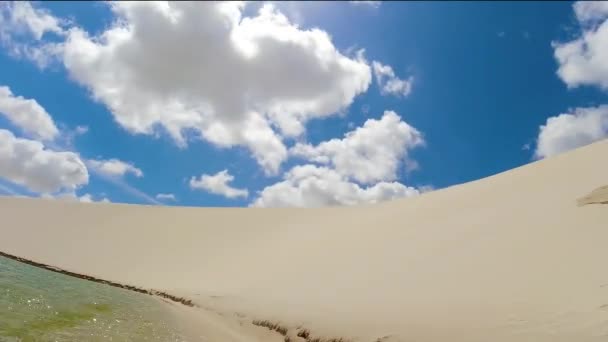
[{"x": 512, "y": 257}]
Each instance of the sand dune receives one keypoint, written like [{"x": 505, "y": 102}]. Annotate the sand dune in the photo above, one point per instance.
[{"x": 513, "y": 257}]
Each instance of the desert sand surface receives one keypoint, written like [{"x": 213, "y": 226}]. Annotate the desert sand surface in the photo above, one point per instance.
[{"x": 519, "y": 256}]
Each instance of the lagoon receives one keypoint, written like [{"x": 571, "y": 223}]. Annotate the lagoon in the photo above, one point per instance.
[{"x": 40, "y": 305}]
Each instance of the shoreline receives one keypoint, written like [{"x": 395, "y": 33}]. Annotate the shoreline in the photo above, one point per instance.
[
  {"x": 150, "y": 292},
  {"x": 281, "y": 331}
]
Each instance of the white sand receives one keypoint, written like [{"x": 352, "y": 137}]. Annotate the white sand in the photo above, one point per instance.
[{"x": 512, "y": 257}]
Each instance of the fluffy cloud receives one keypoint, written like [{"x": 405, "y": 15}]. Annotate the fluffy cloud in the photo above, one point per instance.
[
  {"x": 314, "y": 186},
  {"x": 389, "y": 83},
  {"x": 114, "y": 167},
  {"x": 165, "y": 197},
  {"x": 370, "y": 153},
  {"x": 20, "y": 22},
  {"x": 584, "y": 61},
  {"x": 591, "y": 11},
  {"x": 19, "y": 17},
  {"x": 28, "y": 163},
  {"x": 203, "y": 67},
  {"x": 571, "y": 130},
  {"x": 88, "y": 198},
  {"x": 73, "y": 197},
  {"x": 27, "y": 114},
  {"x": 218, "y": 184}
]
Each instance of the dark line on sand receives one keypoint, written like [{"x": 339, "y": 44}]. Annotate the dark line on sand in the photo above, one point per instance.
[{"x": 162, "y": 294}]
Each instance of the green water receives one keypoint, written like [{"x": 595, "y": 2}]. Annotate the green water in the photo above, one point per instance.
[{"x": 39, "y": 305}]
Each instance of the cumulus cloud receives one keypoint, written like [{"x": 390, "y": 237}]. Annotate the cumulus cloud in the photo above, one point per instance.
[
  {"x": 584, "y": 61},
  {"x": 73, "y": 197},
  {"x": 426, "y": 188},
  {"x": 572, "y": 130},
  {"x": 360, "y": 168},
  {"x": 218, "y": 184},
  {"x": 165, "y": 197},
  {"x": 19, "y": 17},
  {"x": 203, "y": 67},
  {"x": 389, "y": 83},
  {"x": 27, "y": 114},
  {"x": 88, "y": 198},
  {"x": 314, "y": 186},
  {"x": 370, "y": 153},
  {"x": 114, "y": 167},
  {"x": 591, "y": 11},
  {"x": 22, "y": 28},
  {"x": 28, "y": 163}
]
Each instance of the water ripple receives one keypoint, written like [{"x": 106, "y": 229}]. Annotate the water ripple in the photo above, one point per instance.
[{"x": 39, "y": 305}]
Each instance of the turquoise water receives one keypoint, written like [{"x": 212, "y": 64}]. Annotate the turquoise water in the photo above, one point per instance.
[{"x": 39, "y": 305}]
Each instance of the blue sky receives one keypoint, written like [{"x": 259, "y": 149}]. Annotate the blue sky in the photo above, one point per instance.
[{"x": 415, "y": 95}]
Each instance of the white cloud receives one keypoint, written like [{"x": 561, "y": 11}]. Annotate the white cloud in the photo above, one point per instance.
[
  {"x": 389, "y": 83},
  {"x": 166, "y": 197},
  {"x": 218, "y": 184},
  {"x": 19, "y": 17},
  {"x": 114, "y": 167},
  {"x": 571, "y": 130},
  {"x": 235, "y": 80},
  {"x": 584, "y": 61},
  {"x": 591, "y": 11},
  {"x": 42, "y": 54},
  {"x": 27, "y": 114},
  {"x": 22, "y": 28},
  {"x": 28, "y": 163},
  {"x": 73, "y": 197},
  {"x": 426, "y": 188},
  {"x": 370, "y": 153},
  {"x": 314, "y": 186},
  {"x": 374, "y": 4}
]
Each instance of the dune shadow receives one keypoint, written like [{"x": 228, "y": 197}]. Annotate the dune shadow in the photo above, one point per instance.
[{"x": 597, "y": 196}]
